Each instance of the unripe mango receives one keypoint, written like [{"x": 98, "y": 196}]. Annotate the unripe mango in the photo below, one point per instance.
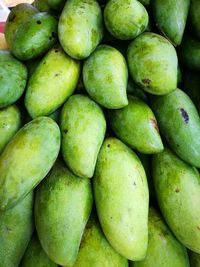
[
  {"x": 121, "y": 197},
  {"x": 62, "y": 208},
  {"x": 27, "y": 159}
]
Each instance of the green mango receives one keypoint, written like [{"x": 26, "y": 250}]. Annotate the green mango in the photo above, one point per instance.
[
  {"x": 35, "y": 36},
  {"x": 42, "y": 5},
  {"x": 191, "y": 85},
  {"x": 56, "y": 4},
  {"x": 18, "y": 15},
  {"x": 179, "y": 123},
  {"x": 107, "y": 84},
  {"x": 194, "y": 259},
  {"x": 27, "y": 159},
  {"x": 10, "y": 123},
  {"x": 95, "y": 250},
  {"x": 58, "y": 74},
  {"x": 177, "y": 186},
  {"x": 163, "y": 249},
  {"x": 120, "y": 21},
  {"x": 170, "y": 17},
  {"x": 80, "y": 27},
  {"x": 153, "y": 63},
  {"x": 194, "y": 15},
  {"x": 189, "y": 52},
  {"x": 13, "y": 76},
  {"x": 16, "y": 228},
  {"x": 122, "y": 198},
  {"x": 134, "y": 89},
  {"x": 136, "y": 126},
  {"x": 62, "y": 208},
  {"x": 35, "y": 256},
  {"x": 83, "y": 127}
]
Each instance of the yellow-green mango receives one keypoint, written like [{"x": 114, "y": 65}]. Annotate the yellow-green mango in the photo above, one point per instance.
[
  {"x": 122, "y": 198},
  {"x": 125, "y": 19},
  {"x": 83, "y": 127},
  {"x": 35, "y": 256},
  {"x": 95, "y": 251},
  {"x": 105, "y": 77},
  {"x": 13, "y": 77},
  {"x": 194, "y": 259},
  {"x": 194, "y": 15},
  {"x": 163, "y": 248},
  {"x": 136, "y": 126},
  {"x": 10, "y": 122},
  {"x": 177, "y": 186},
  {"x": 27, "y": 159},
  {"x": 80, "y": 27},
  {"x": 16, "y": 227},
  {"x": 35, "y": 36},
  {"x": 179, "y": 123},
  {"x": 153, "y": 63},
  {"x": 170, "y": 17},
  {"x": 62, "y": 208},
  {"x": 52, "y": 82},
  {"x": 17, "y": 16},
  {"x": 189, "y": 52}
]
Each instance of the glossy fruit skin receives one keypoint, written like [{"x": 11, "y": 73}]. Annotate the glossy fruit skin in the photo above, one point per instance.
[
  {"x": 95, "y": 249},
  {"x": 121, "y": 197},
  {"x": 13, "y": 77},
  {"x": 58, "y": 74},
  {"x": 80, "y": 27},
  {"x": 15, "y": 231},
  {"x": 163, "y": 248},
  {"x": 177, "y": 186},
  {"x": 27, "y": 159},
  {"x": 83, "y": 128},
  {"x": 125, "y": 19},
  {"x": 170, "y": 17},
  {"x": 194, "y": 17},
  {"x": 18, "y": 15},
  {"x": 35, "y": 255},
  {"x": 35, "y": 36},
  {"x": 179, "y": 123},
  {"x": 62, "y": 208},
  {"x": 10, "y": 123},
  {"x": 107, "y": 85},
  {"x": 153, "y": 63}
]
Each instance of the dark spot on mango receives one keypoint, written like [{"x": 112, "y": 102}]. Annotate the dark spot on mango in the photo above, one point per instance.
[
  {"x": 177, "y": 190},
  {"x": 65, "y": 131},
  {"x": 44, "y": 62},
  {"x": 111, "y": 217},
  {"x": 50, "y": 38},
  {"x": 198, "y": 228},
  {"x": 54, "y": 34},
  {"x": 146, "y": 81},
  {"x": 39, "y": 22},
  {"x": 155, "y": 125},
  {"x": 56, "y": 51},
  {"x": 134, "y": 183},
  {"x": 185, "y": 115},
  {"x": 108, "y": 145},
  {"x": 56, "y": 75}
]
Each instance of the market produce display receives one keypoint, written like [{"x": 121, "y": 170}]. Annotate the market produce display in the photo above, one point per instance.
[{"x": 100, "y": 134}]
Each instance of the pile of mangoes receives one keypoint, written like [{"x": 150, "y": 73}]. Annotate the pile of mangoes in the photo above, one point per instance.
[{"x": 90, "y": 89}]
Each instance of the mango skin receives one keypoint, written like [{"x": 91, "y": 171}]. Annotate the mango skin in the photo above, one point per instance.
[
  {"x": 42, "y": 5},
  {"x": 62, "y": 208},
  {"x": 59, "y": 82},
  {"x": 194, "y": 259},
  {"x": 35, "y": 36},
  {"x": 189, "y": 52},
  {"x": 27, "y": 159},
  {"x": 15, "y": 231},
  {"x": 153, "y": 63},
  {"x": 179, "y": 123},
  {"x": 56, "y": 5},
  {"x": 170, "y": 17},
  {"x": 194, "y": 14},
  {"x": 17, "y": 16},
  {"x": 35, "y": 256},
  {"x": 13, "y": 76},
  {"x": 136, "y": 126},
  {"x": 163, "y": 248},
  {"x": 95, "y": 250},
  {"x": 83, "y": 128},
  {"x": 80, "y": 27},
  {"x": 121, "y": 198},
  {"x": 120, "y": 21},
  {"x": 177, "y": 186},
  {"x": 10, "y": 123},
  {"x": 107, "y": 85}
]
